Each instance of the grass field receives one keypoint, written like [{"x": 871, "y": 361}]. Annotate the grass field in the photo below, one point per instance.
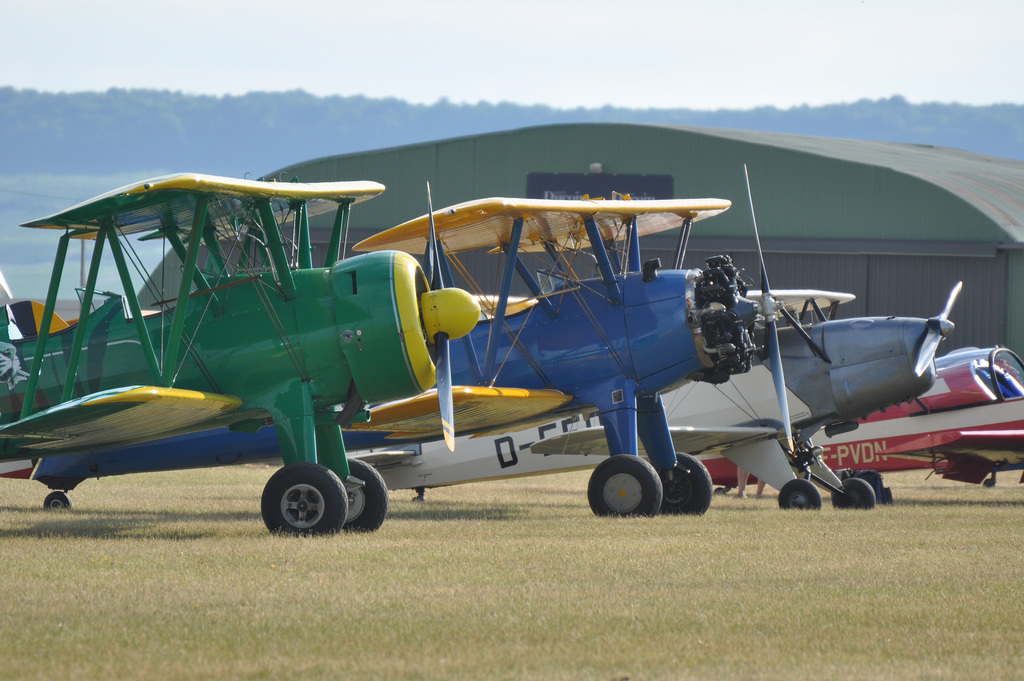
[{"x": 173, "y": 576}]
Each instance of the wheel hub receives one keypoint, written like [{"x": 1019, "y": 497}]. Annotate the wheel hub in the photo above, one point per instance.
[
  {"x": 623, "y": 493},
  {"x": 800, "y": 500},
  {"x": 356, "y": 503},
  {"x": 302, "y": 506},
  {"x": 677, "y": 486}
]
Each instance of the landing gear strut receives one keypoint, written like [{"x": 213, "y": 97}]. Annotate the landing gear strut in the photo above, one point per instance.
[
  {"x": 687, "y": 487},
  {"x": 802, "y": 493}
]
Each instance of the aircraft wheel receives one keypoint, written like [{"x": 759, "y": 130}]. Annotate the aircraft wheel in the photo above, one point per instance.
[
  {"x": 367, "y": 505},
  {"x": 304, "y": 498},
  {"x": 858, "y": 495},
  {"x": 800, "y": 493},
  {"x": 57, "y": 501},
  {"x": 625, "y": 485},
  {"x": 687, "y": 487}
]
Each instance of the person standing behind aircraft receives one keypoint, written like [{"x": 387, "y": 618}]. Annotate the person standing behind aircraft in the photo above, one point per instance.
[{"x": 741, "y": 483}]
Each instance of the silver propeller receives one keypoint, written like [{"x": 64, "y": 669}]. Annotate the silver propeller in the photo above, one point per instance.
[
  {"x": 769, "y": 308},
  {"x": 442, "y": 361},
  {"x": 938, "y": 328}
]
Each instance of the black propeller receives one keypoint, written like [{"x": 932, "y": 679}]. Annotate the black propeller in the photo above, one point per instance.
[
  {"x": 769, "y": 309},
  {"x": 938, "y": 328}
]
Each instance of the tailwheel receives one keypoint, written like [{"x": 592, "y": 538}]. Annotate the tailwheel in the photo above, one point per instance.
[
  {"x": 304, "y": 498},
  {"x": 687, "y": 487},
  {"x": 800, "y": 493},
  {"x": 625, "y": 485},
  {"x": 57, "y": 501},
  {"x": 857, "y": 493},
  {"x": 367, "y": 502}
]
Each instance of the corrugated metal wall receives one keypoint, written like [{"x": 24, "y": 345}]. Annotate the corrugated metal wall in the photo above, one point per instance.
[
  {"x": 798, "y": 194},
  {"x": 910, "y": 286}
]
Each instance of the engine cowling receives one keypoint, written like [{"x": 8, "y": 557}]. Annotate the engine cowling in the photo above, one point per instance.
[
  {"x": 382, "y": 329},
  {"x": 872, "y": 366}
]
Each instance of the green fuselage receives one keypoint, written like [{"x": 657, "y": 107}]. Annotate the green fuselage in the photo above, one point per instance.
[{"x": 287, "y": 359}]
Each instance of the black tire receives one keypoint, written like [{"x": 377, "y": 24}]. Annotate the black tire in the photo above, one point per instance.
[
  {"x": 687, "y": 487},
  {"x": 304, "y": 498},
  {"x": 367, "y": 505},
  {"x": 57, "y": 501},
  {"x": 858, "y": 494},
  {"x": 625, "y": 485},
  {"x": 800, "y": 494}
]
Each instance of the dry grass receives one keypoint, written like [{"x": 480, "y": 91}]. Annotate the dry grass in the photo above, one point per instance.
[{"x": 173, "y": 576}]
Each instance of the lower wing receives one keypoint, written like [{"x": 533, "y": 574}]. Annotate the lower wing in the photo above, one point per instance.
[{"x": 115, "y": 417}]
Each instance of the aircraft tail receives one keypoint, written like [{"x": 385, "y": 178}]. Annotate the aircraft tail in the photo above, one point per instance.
[
  {"x": 5, "y": 291},
  {"x": 21, "y": 470}
]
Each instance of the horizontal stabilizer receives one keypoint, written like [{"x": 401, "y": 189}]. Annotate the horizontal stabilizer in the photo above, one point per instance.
[
  {"x": 21, "y": 470},
  {"x": 474, "y": 407},
  {"x": 117, "y": 417}
]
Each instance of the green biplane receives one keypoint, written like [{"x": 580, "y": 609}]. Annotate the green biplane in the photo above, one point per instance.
[{"x": 254, "y": 336}]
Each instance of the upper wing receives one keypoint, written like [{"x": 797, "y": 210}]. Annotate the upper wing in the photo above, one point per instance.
[
  {"x": 116, "y": 417},
  {"x": 476, "y": 408},
  {"x": 689, "y": 439},
  {"x": 794, "y": 299},
  {"x": 172, "y": 199},
  {"x": 487, "y": 223}
]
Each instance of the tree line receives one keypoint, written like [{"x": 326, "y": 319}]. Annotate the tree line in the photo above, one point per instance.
[{"x": 99, "y": 133}]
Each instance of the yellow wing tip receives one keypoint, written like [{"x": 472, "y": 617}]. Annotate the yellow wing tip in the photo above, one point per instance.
[{"x": 213, "y": 401}]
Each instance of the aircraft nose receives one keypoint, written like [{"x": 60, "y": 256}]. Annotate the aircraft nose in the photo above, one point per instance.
[
  {"x": 452, "y": 311},
  {"x": 873, "y": 363}
]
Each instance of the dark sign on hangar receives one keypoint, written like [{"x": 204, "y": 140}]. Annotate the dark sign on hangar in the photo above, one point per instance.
[{"x": 573, "y": 186}]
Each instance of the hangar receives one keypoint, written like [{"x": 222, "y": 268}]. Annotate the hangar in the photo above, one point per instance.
[{"x": 896, "y": 224}]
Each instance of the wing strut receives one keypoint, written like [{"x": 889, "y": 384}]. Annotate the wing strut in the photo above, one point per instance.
[
  {"x": 633, "y": 254},
  {"x": 171, "y": 232},
  {"x": 339, "y": 234},
  {"x": 276, "y": 248},
  {"x": 181, "y": 305},
  {"x": 305, "y": 249},
  {"x": 83, "y": 319},
  {"x": 498, "y": 322},
  {"x": 44, "y": 327},
  {"x": 684, "y": 237},
  {"x": 603, "y": 261},
  {"x": 133, "y": 301}
]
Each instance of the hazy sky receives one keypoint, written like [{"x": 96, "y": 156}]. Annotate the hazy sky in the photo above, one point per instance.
[{"x": 564, "y": 53}]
